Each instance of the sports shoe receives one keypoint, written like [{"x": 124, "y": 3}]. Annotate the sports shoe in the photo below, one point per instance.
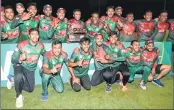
[
  {"x": 44, "y": 98},
  {"x": 9, "y": 81},
  {"x": 157, "y": 82},
  {"x": 142, "y": 85},
  {"x": 108, "y": 88},
  {"x": 19, "y": 101}
]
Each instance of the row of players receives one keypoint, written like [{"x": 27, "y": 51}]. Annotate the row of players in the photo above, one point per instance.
[
  {"x": 16, "y": 29},
  {"x": 112, "y": 62}
]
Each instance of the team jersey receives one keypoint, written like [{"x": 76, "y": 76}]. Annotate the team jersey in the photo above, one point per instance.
[
  {"x": 32, "y": 53},
  {"x": 78, "y": 55},
  {"x": 51, "y": 61}
]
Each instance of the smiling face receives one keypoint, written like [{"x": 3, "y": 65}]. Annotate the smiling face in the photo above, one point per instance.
[
  {"x": 9, "y": 14},
  {"x": 163, "y": 17},
  {"x": 34, "y": 36},
  {"x": 77, "y": 15},
  {"x": 61, "y": 14},
  {"x": 20, "y": 9},
  {"x": 110, "y": 12},
  {"x": 148, "y": 16},
  {"x": 56, "y": 49},
  {"x": 47, "y": 12},
  {"x": 33, "y": 10},
  {"x": 95, "y": 18},
  {"x": 85, "y": 46},
  {"x": 99, "y": 40}
]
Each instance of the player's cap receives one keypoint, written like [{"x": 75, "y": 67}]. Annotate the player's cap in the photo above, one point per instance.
[
  {"x": 119, "y": 7},
  {"x": 61, "y": 9},
  {"x": 47, "y": 6},
  {"x": 149, "y": 41}
]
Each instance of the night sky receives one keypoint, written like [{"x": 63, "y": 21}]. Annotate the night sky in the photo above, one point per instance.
[{"x": 138, "y": 7}]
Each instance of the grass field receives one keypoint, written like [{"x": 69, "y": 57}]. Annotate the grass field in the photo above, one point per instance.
[{"x": 153, "y": 98}]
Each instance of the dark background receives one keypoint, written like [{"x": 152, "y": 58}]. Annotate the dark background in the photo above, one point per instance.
[{"x": 138, "y": 7}]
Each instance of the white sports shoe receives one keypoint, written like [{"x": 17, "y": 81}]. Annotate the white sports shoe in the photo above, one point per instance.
[{"x": 19, "y": 101}]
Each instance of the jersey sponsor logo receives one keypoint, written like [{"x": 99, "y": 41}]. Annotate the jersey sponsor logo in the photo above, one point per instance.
[
  {"x": 128, "y": 29},
  {"x": 162, "y": 27},
  {"x": 146, "y": 27},
  {"x": 32, "y": 59},
  {"x": 149, "y": 56},
  {"x": 13, "y": 34},
  {"x": 45, "y": 27}
]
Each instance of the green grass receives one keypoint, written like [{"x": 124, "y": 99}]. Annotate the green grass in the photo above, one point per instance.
[{"x": 153, "y": 97}]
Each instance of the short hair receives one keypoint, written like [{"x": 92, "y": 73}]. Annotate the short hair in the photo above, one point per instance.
[
  {"x": 97, "y": 34},
  {"x": 147, "y": 11},
  {"x": 132, "y": 42},
  {"x": 84, "y": 39},
  {"x": 113, "y": 33},
  {"x": 32, "y": 4},
  {"x": 129, "y": 14},
  {"x": 76, "y": 10},
  {"x": 55, "y": 42},
  {"x": 163, "y": 11},
  {"x": 95, "y": 13},
  {"x": 8, "y": 7},
  {"x": 33, "y": 29},
  {"x": 112, "y": 7}
]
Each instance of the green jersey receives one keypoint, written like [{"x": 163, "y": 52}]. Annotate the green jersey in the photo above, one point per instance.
[
  {"x": 116, "y": 53},
  {"x": 25, "y": 26},
  {"x": 32, "y": 53},
  {"x": 99, "y": 52},
  {"x": 51, "y": 61},
  {"x": 96, "y": 28},
  {"x": 45, "y": 29},
  {"x": 132, "y": 58},
  {"x": 60, "y": 32},
  {"x": 13, "y": 34},
  {"x": 78, "y": 55}
]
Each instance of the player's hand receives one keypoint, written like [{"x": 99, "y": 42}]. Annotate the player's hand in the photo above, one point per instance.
[
  {"x": 75, "y": 80},
  {"x": 22, "y": 57},
  {"x": 54, "y": 70},
  {"x": 4, "y": 35},
  {"x": 108, "y": 57},
  {"x": 26, "y": 16},
  {"x": 79, "y": 63},
  {"x": 153, "y": 71}
]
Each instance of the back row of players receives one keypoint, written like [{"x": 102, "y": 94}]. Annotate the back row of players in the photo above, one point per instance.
[
  {"x": 111, "y": 60},
  {"x": 16, "y": 28}
]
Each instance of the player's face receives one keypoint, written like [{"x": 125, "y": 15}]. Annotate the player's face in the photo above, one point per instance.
[
  {"x": 9, "y": 14},
  {"x": 148, "y": 16},
  {"x": 77, "y": 15},
  {"x": 34, "y": 36},
  {"x": 47, "y": 12},
  {"x": 20, "y": 9},
  {"x": 130, "y": 18},
  {"x": 32, "y": 10},
  {"x": 57, "y": 49},
  {"x": 118, "y": 12},
  {"x": 110, "y": 12},
  {"x": 150, "y": 46},
  {"x": 95, "y": 18},
  {"x": 85, "y": 46},
  {"x": 61, "y": 14},
  {"x": 163, "y": 17},
  {"x": 136, "y": 46},
  {"x": 99, "y": 40},
  {"x": 113, "y": 39}
]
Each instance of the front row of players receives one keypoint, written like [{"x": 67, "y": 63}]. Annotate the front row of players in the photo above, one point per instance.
[{"x": 112, "y": 63}]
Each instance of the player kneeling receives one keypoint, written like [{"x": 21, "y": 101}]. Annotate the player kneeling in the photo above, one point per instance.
[
  {"x": 52, "y": 64},
  {"x": 79, "y": 66}
]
